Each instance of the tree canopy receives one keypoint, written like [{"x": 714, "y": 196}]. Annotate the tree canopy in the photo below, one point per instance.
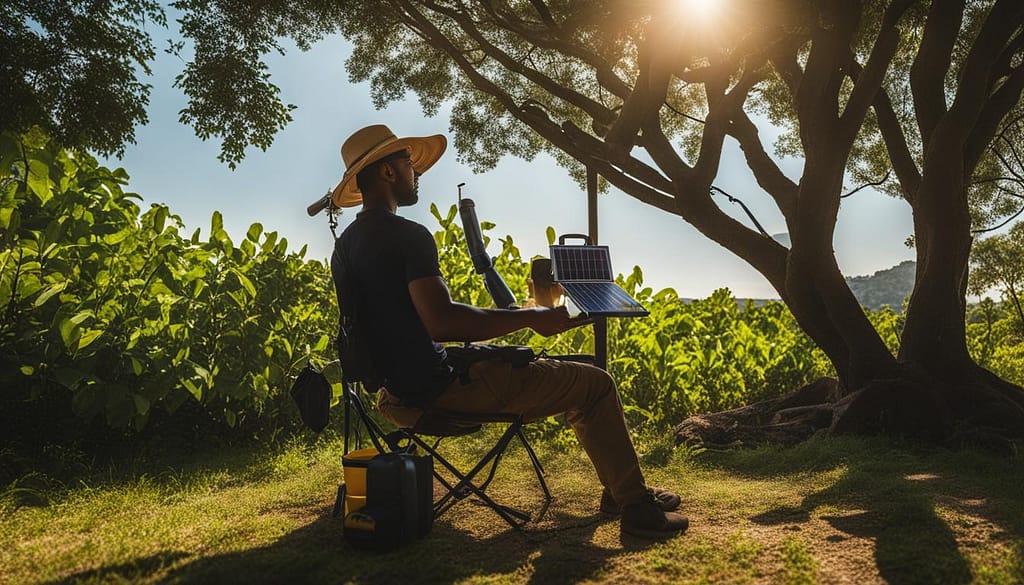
[
  {"x": 998, "y": 261},
  {"x": 72, "y": 67}
]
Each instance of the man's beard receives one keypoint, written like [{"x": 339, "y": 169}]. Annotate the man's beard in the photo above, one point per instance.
[{"x": 409, "y": 198}]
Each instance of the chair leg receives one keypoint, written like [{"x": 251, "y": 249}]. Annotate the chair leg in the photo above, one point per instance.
[
  {"x": 464, "y": 485},
  {"x": 537, "y": 468}
]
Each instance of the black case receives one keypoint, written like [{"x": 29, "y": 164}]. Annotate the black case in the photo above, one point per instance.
[{"x": 399, "y": 503}]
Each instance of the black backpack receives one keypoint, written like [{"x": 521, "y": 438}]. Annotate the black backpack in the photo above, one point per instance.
[{"x": 399, "y": 502}]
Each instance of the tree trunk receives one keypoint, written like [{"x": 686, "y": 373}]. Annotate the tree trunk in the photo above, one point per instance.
[{"x": 934, "y": 391}]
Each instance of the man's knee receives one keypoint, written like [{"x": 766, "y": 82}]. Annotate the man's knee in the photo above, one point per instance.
[{"x": 599, "y": 383}]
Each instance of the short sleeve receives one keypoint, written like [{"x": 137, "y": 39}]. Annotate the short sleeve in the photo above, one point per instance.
[{"x": 421, "y": 254}]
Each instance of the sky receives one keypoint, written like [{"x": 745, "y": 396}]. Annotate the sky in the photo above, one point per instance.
[{"x": 169, "y": 164}]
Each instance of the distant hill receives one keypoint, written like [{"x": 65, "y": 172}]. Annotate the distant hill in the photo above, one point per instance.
[{"x": 885, "y": 287}]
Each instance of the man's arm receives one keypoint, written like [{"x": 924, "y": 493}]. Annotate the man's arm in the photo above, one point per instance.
[{"x": 446, "y": 320}]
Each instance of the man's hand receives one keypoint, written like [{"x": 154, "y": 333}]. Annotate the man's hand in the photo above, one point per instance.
[{"x": 549, "y": 321}]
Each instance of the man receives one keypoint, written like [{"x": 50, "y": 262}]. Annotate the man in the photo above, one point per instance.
[{"x": 404, "y": 309}]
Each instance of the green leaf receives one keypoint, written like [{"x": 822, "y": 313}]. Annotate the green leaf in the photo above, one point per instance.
[
  {"x": 269, "y": 241},
  {"x": 69, "y": 333},
  {"x": 245, "y": 282},
  {"x": 160, "y": 218},
  {"x": 322, "y": 343},
  {"x": 255, "y": 230},
  {"x": 231, "y": 417},
  {"x": 39, "y": 180},
  {"x": 68, "y": 377},
  {"x": 117, "y": 237},
  {"x": 49, "y": 292},
  {"x": 193, "y": 388},
  {"x": 88, "y": 337},
  {"x": 27, "y": 370},
  {"x": 82, "y": 316},
  {"x": 216, "y": 222},
  {"x": 550, "y": 232},
  {"x": 28, "y": 284},
  {"x": 141, "y": 404}
]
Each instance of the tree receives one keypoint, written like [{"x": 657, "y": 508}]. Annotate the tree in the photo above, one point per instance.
[
  {"x": 998, "y": 261},
  {"x": 646, "y": 93},
  {"x": 70, "y": 67}
]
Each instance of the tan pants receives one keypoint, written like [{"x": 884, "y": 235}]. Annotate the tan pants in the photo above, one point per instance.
[{"x": 585, "y": 394}]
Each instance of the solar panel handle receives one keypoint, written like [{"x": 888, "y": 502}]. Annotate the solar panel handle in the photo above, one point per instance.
[{"x": 563, "y": 237}]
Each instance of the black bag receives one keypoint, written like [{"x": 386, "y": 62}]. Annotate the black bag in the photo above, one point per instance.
[
  {"x": 399, "y": 503},
  {"x": 312, "y": 394},
  {"x": 461, "y": 357}
]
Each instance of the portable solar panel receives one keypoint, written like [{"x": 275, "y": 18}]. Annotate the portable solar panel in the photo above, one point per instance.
[{"x": 585, "y": 272}]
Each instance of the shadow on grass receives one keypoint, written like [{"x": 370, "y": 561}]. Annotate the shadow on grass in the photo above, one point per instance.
[
  {"x": 317, "y": 553},
  {"x": 891, "y": 493}
]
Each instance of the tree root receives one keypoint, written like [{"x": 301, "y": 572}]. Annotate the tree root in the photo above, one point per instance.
[{"x": 979, "y": 413}]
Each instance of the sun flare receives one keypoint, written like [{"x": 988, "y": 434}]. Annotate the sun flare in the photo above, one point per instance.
[{"x": 704, "y": 10}]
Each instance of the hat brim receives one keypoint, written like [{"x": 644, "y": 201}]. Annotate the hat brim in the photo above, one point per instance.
[{"x": 423, "y": 150}]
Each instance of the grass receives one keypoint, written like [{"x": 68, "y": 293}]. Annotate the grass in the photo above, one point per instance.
[{"x": 829, "y": 510}]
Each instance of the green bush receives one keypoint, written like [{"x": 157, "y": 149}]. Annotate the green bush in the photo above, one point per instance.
[{"x": 113, "y": 308}]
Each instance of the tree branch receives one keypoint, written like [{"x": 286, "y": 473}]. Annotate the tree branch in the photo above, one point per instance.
[
  {"x": 1001, "y": 224},
  {"x": 595, "y": 110},
  {"x": 545, "y": 14},
  {"x": 895, "y": 140},
  {"x": 604, "y": 73},
  {"x": 866, "y": 185},
  {"x": 581, "y": 146},
  {"x": 869, "y": 79},
  {"x": 597, "y": 150},
  {"x": 663, "y": 153},
  {"x": 928, "y": 73},
  {"x": 972, "y": 95},
  {"x": 766, "y": 172},
  {"x": 998, "y": 106},
  {"x": 648, "y": 94},
  {"x": 818, "y": 93}
]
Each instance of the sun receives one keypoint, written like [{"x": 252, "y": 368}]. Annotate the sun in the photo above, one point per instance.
[{"x": 705, "y": 10}]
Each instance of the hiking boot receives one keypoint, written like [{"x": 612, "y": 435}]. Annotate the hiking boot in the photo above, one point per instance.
[
  {"x": 666, "y": 500},
  {"x": 646, "y": 519}
]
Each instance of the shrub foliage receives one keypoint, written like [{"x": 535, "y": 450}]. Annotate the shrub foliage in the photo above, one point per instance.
[{"x": 112, "y": 306}]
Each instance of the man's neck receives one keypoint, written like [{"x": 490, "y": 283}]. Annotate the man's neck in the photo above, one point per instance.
[{"x": 374, "y": 203}]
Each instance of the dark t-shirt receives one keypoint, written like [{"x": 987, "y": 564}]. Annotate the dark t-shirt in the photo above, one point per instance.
[{"x": 385, "y": 253}]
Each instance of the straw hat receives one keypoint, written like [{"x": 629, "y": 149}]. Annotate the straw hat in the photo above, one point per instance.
[{"x": 375, "y": 142}]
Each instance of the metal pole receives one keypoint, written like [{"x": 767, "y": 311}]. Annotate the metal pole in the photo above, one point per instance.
[{"x": 600, "y": 324}]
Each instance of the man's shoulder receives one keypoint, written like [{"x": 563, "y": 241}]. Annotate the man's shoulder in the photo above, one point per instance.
[{"x": 390, "y": 227}]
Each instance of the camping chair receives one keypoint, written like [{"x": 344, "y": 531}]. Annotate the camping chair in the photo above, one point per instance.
[{"x": 435, "y": 425}]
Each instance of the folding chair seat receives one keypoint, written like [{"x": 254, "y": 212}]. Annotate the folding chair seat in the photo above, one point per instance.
[{"x": 430, "y": 429}]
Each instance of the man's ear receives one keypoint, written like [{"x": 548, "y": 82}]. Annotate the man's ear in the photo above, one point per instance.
[{"x": 386, "y": 173}]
